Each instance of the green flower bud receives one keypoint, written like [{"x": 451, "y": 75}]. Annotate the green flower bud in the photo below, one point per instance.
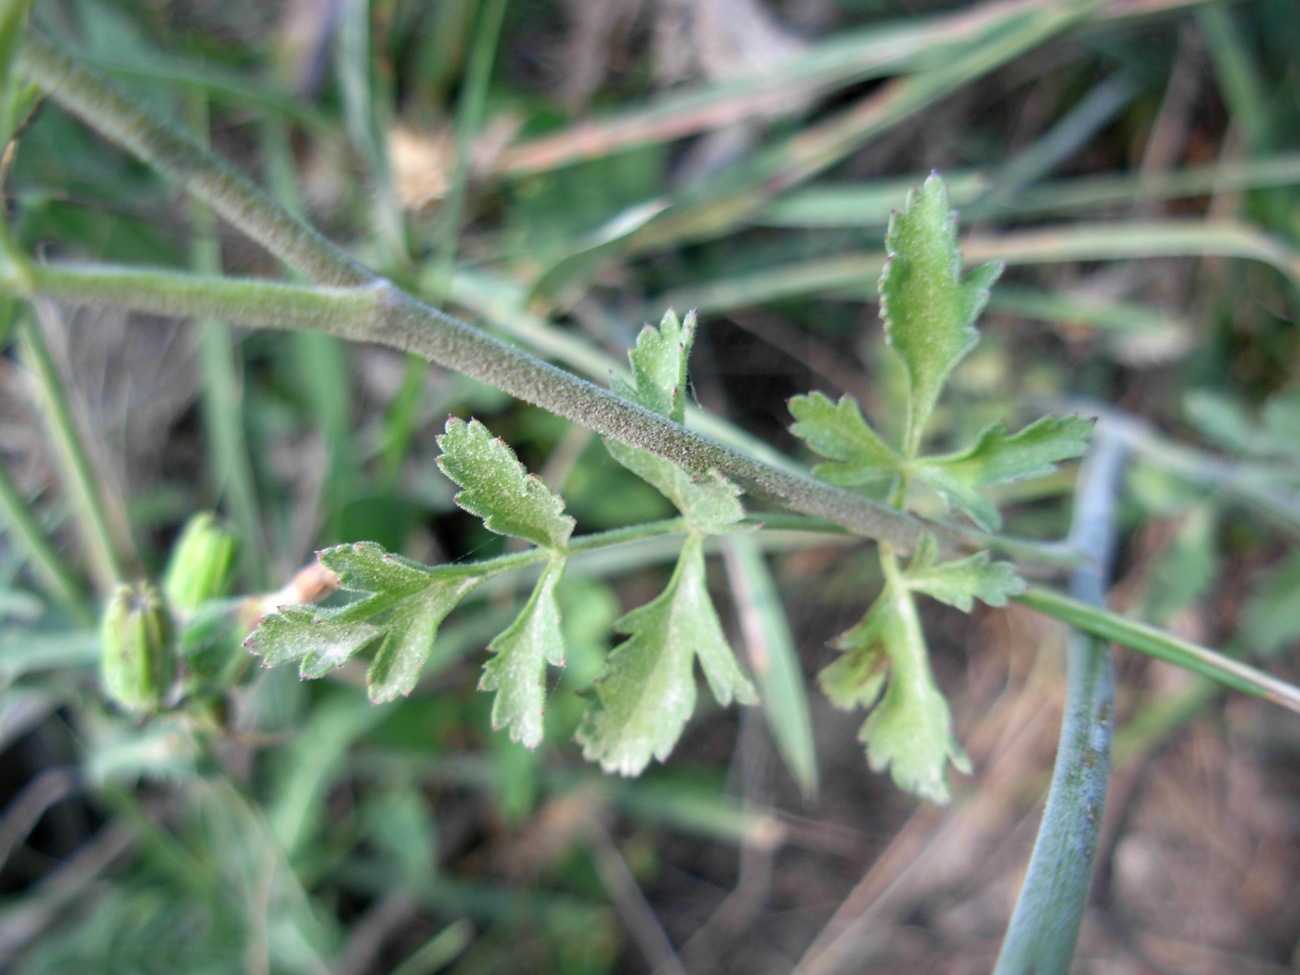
[
  {"x": 200, "y": 565},
  {"x": 137, "y": 664}
]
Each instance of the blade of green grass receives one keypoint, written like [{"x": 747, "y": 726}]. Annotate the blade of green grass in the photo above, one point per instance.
[
  {"x": 854, "y": 275},
  {"x": 773, "y": 658},
  {"x": 229, "y": 465},
  {"x": 1165, "y": 646},
  {"x": 312, "y": 764},
  {"x": 51, "y": 570},
  {"x": 160, "y": 72},
  {"x": 399, "y": 423},
  {"x": 319, "y": 364},
  {"x": 109, "y": 549},
  {"x": 1244, "y": 91},
  {"x": 869, "y": 204},
  {"x": 1104, "y": 315},
  {"x": 437, "y": 64},
  {"x": 1063, "y": 139},
  {"x": 365, "y": 117},
  {"x": 720, "y": 202},
  {"x": 891, "y": 48},
  {"x": 1257, "y": 486}
]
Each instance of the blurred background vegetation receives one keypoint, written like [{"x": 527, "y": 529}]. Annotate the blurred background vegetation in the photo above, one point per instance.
[{"x": 560, "y": 172}]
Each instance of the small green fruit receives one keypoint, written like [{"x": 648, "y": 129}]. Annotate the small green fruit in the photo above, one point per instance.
[
  {"x": 137, "y": 665},
  {"x": 200, "y": 565}
]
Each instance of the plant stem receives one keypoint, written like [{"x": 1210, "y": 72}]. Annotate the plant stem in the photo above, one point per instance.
[
  {"x": 1045, "y": 924},
  {"x": 348, "y": 312},
  {"x": 92, "y": 98},
  {"x": 379, "y": 312}
]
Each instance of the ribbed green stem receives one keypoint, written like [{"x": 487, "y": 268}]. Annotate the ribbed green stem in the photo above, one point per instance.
[{"x": 1045, "y": 925}]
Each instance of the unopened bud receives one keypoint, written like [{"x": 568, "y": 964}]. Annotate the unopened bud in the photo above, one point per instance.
[
  {"x": 137, "y": 665},
  {"x": 200, "y": 565}
]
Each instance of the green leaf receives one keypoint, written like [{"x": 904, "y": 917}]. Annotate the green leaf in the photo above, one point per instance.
[
  {"x": 517, "y": 669},
  {"x": 304, "y": 634},
  {"x": 1223, "y": 420},
  {"x": 960, "y": 582},
  {"x": 1269, "y": 619},
  {"x": 857, "y": 677},
  {"x": 646, "y": 693},
  {"x": 659, "y": 366},
  {"x": 928, "y": 309},
  {"x": 1181, "y": 575},
  {"x": 909, "y": 729},
  {"x": 498, "y": 489},
  {"x": 839, "y": 432},
  {"x": 400, "y": 616},
  {"x": 709, "y": 502},
  {"x": 997, "y": 457}
]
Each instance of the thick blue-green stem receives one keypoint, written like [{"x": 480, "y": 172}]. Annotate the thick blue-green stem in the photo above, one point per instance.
[{"x": 1045, "y": 924}]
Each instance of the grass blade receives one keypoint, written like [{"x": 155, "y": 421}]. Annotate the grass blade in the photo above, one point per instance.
[
  {"x": 853, "y": 275},
  {"x": 1163, "y": 646},
  {"x": 104, "y": 526},
  {"x": 53, "y": 573},
  {"x": 720, "y": 202},
  {"x": 773, "y": 658},
  {"x": 229, "y": 464}
]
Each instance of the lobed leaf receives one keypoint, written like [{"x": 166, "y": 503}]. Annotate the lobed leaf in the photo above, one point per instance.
[
  {"x": 857, "y": 677},
  {"x": 646, "y": 693},
  {"x": 999, "y": 457},
  {"x": 498, "y": 488},
  {"x": 659, "y": 366},
  {"x": 909, "y": 728},
  {"x": 517, "y": 669},
  {"x": 839, "y": 432},
  {"x": 929, "y": 310},
  {"x": 709, "y": 502},
  {"x": 960, "y": 582},
  {"x": 302, "y": 633},
  {"x": 400, "y": 617}
]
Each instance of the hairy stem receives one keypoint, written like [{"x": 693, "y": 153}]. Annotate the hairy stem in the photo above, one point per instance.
[
  {"x": 92, "y": 98},
  {"x": 377, "y": 311}
]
